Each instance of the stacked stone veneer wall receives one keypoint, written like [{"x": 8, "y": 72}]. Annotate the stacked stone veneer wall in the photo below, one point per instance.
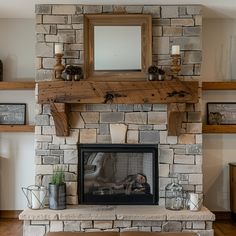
[{"x": 178, "y": 156}]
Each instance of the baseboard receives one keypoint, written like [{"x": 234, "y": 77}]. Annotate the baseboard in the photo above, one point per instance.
[
  {"x": 9, "y": 214},
  {"x": 222, "y": 215}
]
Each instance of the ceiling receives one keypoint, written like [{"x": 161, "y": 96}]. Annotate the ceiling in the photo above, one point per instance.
[{"x": 25, "y": 8}]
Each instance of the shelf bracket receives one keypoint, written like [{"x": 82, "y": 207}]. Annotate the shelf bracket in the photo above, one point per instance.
[
  {"x": 60, "y": 113},
  {"x": 176, "y": 115}
]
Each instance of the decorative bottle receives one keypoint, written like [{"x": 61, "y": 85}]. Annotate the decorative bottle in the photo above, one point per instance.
[{"x": 174, "y": 196}]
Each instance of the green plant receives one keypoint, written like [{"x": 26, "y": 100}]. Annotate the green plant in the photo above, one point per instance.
[{"x": 58, "y": 176}]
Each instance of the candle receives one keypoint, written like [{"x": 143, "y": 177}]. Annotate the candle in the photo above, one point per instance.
[
  {"x": 58, "y": 48},
  {"x": 175, "y": 50}
]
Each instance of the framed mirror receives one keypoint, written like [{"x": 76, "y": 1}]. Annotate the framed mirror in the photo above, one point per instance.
[{"x": 117, "y": 47}]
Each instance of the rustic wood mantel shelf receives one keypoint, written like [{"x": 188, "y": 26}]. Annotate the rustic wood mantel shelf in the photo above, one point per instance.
[{"x": 59, "y": 94}]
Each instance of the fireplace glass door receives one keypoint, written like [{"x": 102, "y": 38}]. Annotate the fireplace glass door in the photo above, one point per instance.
[{"x": 118, "y": 174}]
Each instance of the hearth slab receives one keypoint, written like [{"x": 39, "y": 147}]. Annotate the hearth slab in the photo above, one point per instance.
[{"x": 91, "y": 212}]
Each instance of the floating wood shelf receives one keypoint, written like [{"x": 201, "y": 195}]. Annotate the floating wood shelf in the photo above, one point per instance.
[
  {"x": 17, "y": 128},
  {"x": 218, "y": 85},
  {"x": 59, "y": 94},
  {"x": 219, "y": 129},
  {"x": 24, "y": 85}
]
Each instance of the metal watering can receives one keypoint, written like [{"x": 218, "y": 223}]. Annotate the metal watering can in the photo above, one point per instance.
[{"x": 35, "y": 196}]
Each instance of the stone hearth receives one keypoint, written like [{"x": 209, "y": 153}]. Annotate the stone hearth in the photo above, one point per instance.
[{"x": 117, "y": 218}]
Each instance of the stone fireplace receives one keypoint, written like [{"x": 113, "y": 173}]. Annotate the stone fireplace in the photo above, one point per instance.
[{"x": 179, "y": 157}]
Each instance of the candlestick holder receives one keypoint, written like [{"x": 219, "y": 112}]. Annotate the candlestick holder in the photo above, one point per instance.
[
  {"x": 58, "y": 67},
  {"x": 175, "y": 65}
]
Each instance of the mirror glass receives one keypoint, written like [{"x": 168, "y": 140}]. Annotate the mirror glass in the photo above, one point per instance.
[{"x": 117, "y": 48}]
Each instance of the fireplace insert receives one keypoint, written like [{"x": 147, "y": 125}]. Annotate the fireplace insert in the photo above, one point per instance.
[{"x": 118, "y": 174}]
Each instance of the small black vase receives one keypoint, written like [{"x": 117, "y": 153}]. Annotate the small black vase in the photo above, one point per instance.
[{"x": 57, "y": 196}]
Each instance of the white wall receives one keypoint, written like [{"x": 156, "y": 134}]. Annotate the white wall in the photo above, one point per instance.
[
  {"x": 218, "y": 149},
  {"x": 17, "y": 149}
]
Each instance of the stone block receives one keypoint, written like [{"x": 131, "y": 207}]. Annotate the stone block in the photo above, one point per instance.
[
  {"x": 58, "y": 140},
  {"x": 163, "y": 183},
  {"x": 188, "y": 169},
  {"x": 44, "y": 75},
  {"x": 157, "y": 118},
  {"x": 198, "y": 138},
  {"x": 157, "y": 31},
  {"x": 209, "y": 225},
  {"x": 195, "y": 178},
  {"x": 54, "y": 19},
  {"x": 51, "y": 160},
  {"x": 186, "y": 139},
  {"x": 63, "y": 9},
  {"x": 30, "y": 230},
  {"x": 156, "y": 229},
  {"x": 44, "y": 50},
  {"x": 172, "y": 139},
  {"x": 166, "y": 156},
  {"x": 111, "y": 117},
  {"x": 182, "y": 11},
  {"x": 197, "y": 69},
  {"x": 70, "y": 177},
  {"x": 38, "y": 130},
  {"x": 163, "y": 137},
  {"x": 103, "y": 138},
  {"x": 43, "y": 138},
  {"x": 107, "y": 8},
  {"x": 40, "y": 38},
  {"x": 119, "y": 9},
  {"x": 74, "y": 47},
  {"x": 159, "y": 107},
  {"x": 90, "y": 117},
  {"x": 71, "y": 156},
  {"x": 132, "y": 136},
  {"x": 149, "y": 136},
  {"x": 66, "y": 36},
  {"x": 194, "y": 10},
  {"x": 199, "y": 224},
  {"x": 184, "y": 159},
  {"x": 188, "y": 43},
  {"x": 198, "y": 20},
  {"x": 42, "y": 29},
  {"x": 92, "y": 9},
  {"x": 68, "y": 147},
  {"x": 88, "y": 136},
  {"x": 73, "y": 138},
  {"x": 53, "y": 29},
  {"x": 192, "y": 31},
  {"x": 71, "y": 54},
  {"x": 125, "y": 107},
  {"x": 142, "y": 107},
  {"x": 38, "y": 19},
  {"x": 192, "y": 57},
  {"x": 164, "y": 170},
  {"x": 182, "y": 22},
  {"x": 155, "y": 11},
  {"x": 56, "y": 226},
  {"x": 161, "y": 22},
  {"x": 194, "y": 149},
  {"x": 134, "y": 9},
  {"x": 160, "y": 127},
  {"x": 48, "y": 129},
  {"x": 79, "y": 36},
  {"x": 73, "y": 168},
  {"x": 100, "y": 224},
  {"x": 122, "y": 223},
  {"x": 194, "y": 128},
  {"x": 48, "y": 63},
  {"x": 57, "y": 152},
  {"x": 71, "y": 188},
  {"x": 43, "y": 169},
  {"x": 172, "y": 226},
  {"x": 43, "y": 9},
  {"x": 136, "y": 118},
  {"x": 129, "y": 229},
  {"x": 86, "y": 224},
  {"x": 79, "y": 19},
  {"x": 100, "y": 107},
  {"x": 71, "y": 226},
  {"x": 104, "y": 129},
  {"x": 161, "y": 45},
  {"x": 75, "y": 120},
  {"x": 118, "y": 133},
  {"x": 172, "y": 31},
  {"x": 169, "y": 12},
  {"x": 187, "y": 70}
]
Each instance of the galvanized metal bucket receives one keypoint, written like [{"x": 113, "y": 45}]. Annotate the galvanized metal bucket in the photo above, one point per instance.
[{"x": 57, "y": 196}]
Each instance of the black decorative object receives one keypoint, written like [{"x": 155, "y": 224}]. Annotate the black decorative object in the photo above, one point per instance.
[
  {"x": 73, "y": 72},
  {"x": 155, "y": 73}
]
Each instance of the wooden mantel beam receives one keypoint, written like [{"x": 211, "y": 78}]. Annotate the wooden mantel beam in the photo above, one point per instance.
[{"x": 92, "y": 92}]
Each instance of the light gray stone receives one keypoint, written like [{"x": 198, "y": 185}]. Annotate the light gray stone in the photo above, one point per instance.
[
  {"x": 104, "y": 129},
  {"x": 163, "y": 183},
  {"x": 184, "y": 159},
  {"x": 70, "y": 177},
  {"x": 86, "y": 224},
  {"x": 194, "y": 10},
  {"x": 155, "y": 11},
  {"x": 56, "y": 152},
  {"x": 194, "y": 149},
  {"x": 44, "y": 50},
  {"x": 111, "y": 117},
  {"x": 132, "y": 136},
  {"x": 136, "y": 118},
  {"x": 195, "y": 178},
  {"x": 157, "y": 31},
  {"x": 146, "y": 223},
  {"x": 118, "y": 133},
  {"x": 90, "y": 117},
  {"x": 42, "y": 29},
  {"x": 172, "y": 226},
  {"x": 102, "y": 224},
  {"x": 198, "y": 20},
  {"x": 93, "y": 9},
  {"x": 48, "y": 63},
  {"x": 149, "y": 136},
  {"x": 142, "y": 107},
  {"x": 77, "y": 19},
  {"x": 71, "y": 226},
  {"x": 66, "y": 36},
  {"x": 169, "y": 12},
  {"x": 172, "y": 31},
  {"x": 161, "y": 45},
  {"x": 166, "y": 156},
  {"x": 164, "y": 170},
  {"x": 182, "y": 11},
  {"x": 188, "y": 43},
  {"x": 71, "y": 188},
  {"x": 192, "y": 31},
  {"x": 134, "y": 9},
  {"x": 56, "y": 226},
  {"x": 192, "y": 57},
  {"x": 70, "y": 156},
  {"x": 159, "y": 107},
  {"x": 48, "y": 129},
  {"x": 54, "y": 19},
  {"x": 188, "y": 169},
  {"x": 43, "y": 169},
  {"x": 107, "y": 8},
  {"x": 73, "y": 138},
  {"x": 122, "y": 224},
  {"x": 88, "y": 136},
  {"x": 51, "y": 160},
  {"x": 100, "y": 107},
  {"x": 43, "y": 9},
  {"x": 103, "y": 138},
  {"x": 182, "y": 22},
  {"x": 125, "y": 107},
  {"x": 157, "y": 118},
  {"x": 58, "y": 140},
  {"x": 38, "y": 19},
  {"x": 63, "y": 9},
  {"x": 160, "y": 22},
  {"x": 30, "y": 230},
  {"x": 187, "y": 70}
]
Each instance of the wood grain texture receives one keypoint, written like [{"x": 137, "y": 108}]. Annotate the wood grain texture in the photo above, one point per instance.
[
  {"x": 60, "y": 113},
  {"x": 11, "y": 227},
  {"x": 9, "y": 214},
  {"x": 124, "y": 92},
  {"x": 219, "y": 129},
  {"x": 17, "y": 128},
  {"x": 218, "y": 85},
  {"x": 17, "y": 85}
]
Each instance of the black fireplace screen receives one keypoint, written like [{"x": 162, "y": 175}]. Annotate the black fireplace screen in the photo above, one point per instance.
[{"x": 118, "y": 174}]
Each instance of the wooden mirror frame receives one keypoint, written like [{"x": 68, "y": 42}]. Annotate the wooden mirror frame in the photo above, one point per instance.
[{"x": 91, "y": 20}]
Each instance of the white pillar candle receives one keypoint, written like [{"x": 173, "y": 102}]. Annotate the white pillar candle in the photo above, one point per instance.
[
  {"x": 35, "y": 198},
  {"x": 58, "y": 48},
  {"x": 175, "y": 50}
]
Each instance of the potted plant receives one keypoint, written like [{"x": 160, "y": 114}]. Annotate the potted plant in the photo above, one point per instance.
[{"x": 57, "y": 190}]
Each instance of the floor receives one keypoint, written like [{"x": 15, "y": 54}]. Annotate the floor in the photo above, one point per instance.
[{"x": 13, "y": 227}]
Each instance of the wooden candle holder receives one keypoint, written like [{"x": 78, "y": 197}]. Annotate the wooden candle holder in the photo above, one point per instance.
[
  {"x": 58, "y": 67},
  {"x": 175, "y": 65}
]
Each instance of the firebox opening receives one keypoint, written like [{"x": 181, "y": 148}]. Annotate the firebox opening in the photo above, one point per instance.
[{"x": 118, "y": 174}]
